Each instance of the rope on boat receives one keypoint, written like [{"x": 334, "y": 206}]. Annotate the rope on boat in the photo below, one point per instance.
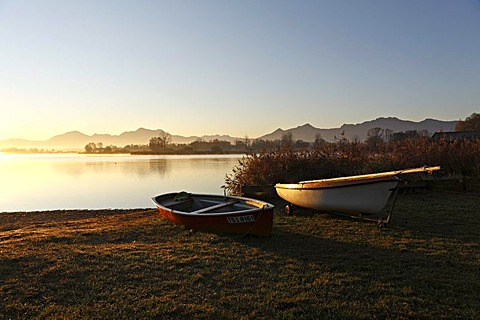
[{"x": 256, "y": 220}]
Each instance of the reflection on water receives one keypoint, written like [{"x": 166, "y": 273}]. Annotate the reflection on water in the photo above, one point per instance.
[
  {"x": 44, "y": 182},
  {"x": 159, "y": 166},
  {"x": 139, "y": 169}
]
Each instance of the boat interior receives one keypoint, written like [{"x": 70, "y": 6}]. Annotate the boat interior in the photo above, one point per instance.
[{"x": 205, "y": 205}]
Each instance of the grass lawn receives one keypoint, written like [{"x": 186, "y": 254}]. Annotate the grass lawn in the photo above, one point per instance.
[{"x": 133, "y": 264}]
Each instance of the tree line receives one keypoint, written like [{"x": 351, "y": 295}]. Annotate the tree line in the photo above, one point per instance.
[
  {"x": 163, "y": 145},
  {"x": 375, "y": 140}
]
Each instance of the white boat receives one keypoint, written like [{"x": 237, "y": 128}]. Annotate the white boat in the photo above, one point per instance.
[{"x": 362, "y": 194}]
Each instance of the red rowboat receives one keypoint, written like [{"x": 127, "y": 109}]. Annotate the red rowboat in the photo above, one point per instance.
[{"x": 217, "y": 213}]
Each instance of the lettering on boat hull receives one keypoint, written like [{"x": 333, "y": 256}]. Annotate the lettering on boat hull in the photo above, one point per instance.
[{"x": 241, "y": 219}]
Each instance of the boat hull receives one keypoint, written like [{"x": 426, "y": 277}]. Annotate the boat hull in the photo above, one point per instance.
[
  {"x": 243, "y": 216},
  {"x": 348, "y": 195}
]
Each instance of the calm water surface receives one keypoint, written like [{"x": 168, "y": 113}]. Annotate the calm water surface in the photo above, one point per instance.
[{"x": 71, "y": 181}]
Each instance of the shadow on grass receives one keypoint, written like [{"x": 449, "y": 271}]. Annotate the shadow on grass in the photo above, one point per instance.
[{"x": 421, "y": 277}]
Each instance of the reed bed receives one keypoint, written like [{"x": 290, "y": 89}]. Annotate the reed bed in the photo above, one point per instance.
[
  {"x": 133, "y": 264},
  {"x": 286, "y": 164}
]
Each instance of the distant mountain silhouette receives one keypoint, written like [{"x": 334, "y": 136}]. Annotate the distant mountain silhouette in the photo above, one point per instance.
[
  {"x": 75, "y": 140},
  {"x": 307, "y": 132}
]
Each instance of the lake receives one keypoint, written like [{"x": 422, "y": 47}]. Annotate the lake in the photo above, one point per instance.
[{"x": 33, "y": 182}]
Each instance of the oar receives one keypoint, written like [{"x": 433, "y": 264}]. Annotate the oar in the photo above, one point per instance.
[
  {"x": 422, "y": 169},
  {"x": 377, "y": 175}
]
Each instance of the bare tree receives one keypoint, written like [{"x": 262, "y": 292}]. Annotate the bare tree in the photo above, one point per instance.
[
  {"x": 248, "y": 142},
  {"x": 287, "y": 141},
  {"x": 319, "y": 141},
  {"x": 160, "y": 143},
  {"x": 375, "y": 137}
]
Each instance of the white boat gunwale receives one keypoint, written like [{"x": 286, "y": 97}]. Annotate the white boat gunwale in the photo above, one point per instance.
[{"x": 324, "y": 184}]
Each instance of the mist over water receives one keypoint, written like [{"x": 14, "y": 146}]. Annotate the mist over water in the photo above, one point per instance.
[{"x": 72, "y": 181}]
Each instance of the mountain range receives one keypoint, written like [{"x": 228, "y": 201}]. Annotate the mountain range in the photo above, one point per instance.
[
  {"x": 308, "y": 133},
  {"x": 75, "y": 141}
]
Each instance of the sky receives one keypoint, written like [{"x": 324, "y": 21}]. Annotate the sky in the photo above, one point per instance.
[{"x": 241, "y": 68}]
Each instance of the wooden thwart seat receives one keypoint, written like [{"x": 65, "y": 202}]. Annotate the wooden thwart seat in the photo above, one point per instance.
[{"x": 217, "y": 206}]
